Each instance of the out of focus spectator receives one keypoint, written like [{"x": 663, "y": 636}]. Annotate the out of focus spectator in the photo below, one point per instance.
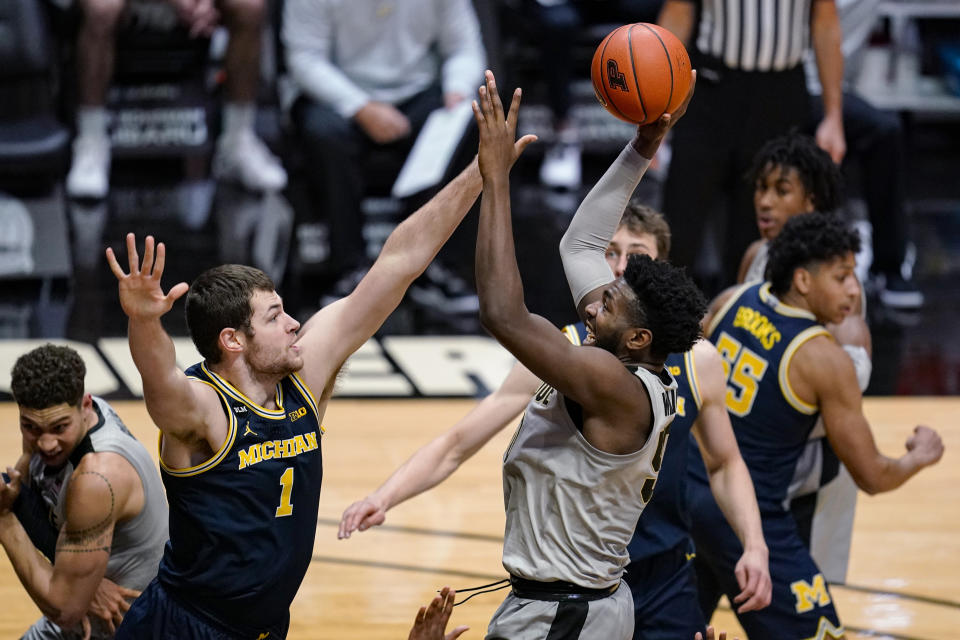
[
  {"x": 556, "y": 24},
  {"x": 750, "y": 88},
  {"x": 368, "y": 74},
  {"x": 240, "y": 155}
]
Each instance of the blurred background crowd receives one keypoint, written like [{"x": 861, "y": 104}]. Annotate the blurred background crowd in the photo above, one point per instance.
[{"x": 273, "y": 132}]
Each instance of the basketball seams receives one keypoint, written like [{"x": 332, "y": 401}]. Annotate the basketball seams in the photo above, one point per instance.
[
  {"x": 633, "y": 72},
  {"x": 669, "y": 63},
  {"x": 603, "y": 75}
]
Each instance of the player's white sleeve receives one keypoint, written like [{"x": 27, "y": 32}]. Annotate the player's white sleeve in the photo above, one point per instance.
[{"x": 584, "y": 244}]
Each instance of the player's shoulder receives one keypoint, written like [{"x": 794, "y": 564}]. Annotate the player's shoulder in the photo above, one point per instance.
[
  {"x": 820, "y": 358},
  {"x": 97, "y": 467}
]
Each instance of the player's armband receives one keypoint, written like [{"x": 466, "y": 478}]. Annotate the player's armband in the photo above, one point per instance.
[{"x": 862, "y": 363}]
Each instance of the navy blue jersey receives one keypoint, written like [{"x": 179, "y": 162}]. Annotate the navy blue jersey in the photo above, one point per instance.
[
  {"x": 242, "y": 524},
  {"x": 756, "y": 336},
  {"x": 664, "y": 523}
]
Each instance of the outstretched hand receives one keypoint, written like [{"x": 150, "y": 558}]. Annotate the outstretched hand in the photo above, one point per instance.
[
  {"x": 361, "y": 515},
  {"x": 141, "y": 295},
  {"x": 649, "y": 136},
  {"x": 753, "y": 576},
  {"x": 499, "y": 148},
  {"x": 711, "y": 636},
  {"x": 431, "y": 621}
]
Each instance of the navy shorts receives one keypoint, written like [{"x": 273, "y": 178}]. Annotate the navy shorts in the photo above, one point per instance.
[
  {"x": 802, "y": 606},
  {"x": 158, "y": 615},
  {"x": 665, "y": 595}
]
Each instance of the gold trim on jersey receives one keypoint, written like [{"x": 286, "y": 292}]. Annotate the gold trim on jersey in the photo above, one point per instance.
[
  {"x": 825, "y": 629},
  {"x": 299, "y": 383},
  {"x": 781, "y": 308},
  {"x": 572, "y": 334},
  {"x": 689, "y": 362},
  {"x": 788, "y": 393},
  {"x": 722, "y": 311},
  {"x": 221, "y": 453},
  {"x": 273, "y": 414}
]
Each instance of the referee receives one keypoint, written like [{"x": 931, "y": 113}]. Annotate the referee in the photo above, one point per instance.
[{"x": 750, "y": 88}]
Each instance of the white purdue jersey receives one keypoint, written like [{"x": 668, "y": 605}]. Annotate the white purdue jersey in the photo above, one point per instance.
[{"x": 571, "y": 508}]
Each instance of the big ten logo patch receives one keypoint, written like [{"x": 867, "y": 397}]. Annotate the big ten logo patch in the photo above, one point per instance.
[
  {"x": 296, "y": 415},
  {"x": 810, "y": 595}
]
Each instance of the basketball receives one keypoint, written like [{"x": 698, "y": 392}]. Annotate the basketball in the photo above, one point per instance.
[{"x": 640, "y": 71}]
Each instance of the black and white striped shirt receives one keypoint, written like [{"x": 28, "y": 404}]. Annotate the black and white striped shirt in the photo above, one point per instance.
[{"x": 755, "y": 35}]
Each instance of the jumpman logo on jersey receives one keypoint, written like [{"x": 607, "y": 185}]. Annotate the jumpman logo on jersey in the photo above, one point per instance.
[
  {"x": 248, "y": 430},
  {"x": 267, "y": 633}
]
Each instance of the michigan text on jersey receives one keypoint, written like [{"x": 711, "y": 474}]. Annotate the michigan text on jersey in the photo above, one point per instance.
[{"x": 271, "y": 449}]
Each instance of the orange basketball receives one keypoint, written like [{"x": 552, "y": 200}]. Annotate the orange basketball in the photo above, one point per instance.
[{"x": 640, "y": 71}]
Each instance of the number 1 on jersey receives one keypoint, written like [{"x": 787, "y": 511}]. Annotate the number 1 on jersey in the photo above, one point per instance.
[{"x": 286, "y": 482}]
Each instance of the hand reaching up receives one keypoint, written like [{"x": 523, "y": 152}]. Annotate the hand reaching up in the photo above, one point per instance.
[{"x": 141, "y": 296}]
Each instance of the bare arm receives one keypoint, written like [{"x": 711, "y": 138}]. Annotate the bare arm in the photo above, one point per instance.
[
  {"x": 826, "y": 37},
  {"x": 179, "y": 408},
  {"x": 677, "y": 16},
  {"x": 336, "y": 331},
  {"x": 747, "y": 260},
  {"x": 730, "y": 480},
  {"x": 436, "y": 461},
  {"x": 717, "y": 307},
  {"x": 821, "y": 369},
  {"x": 592, "y": 377},
  {"x": 101, "y": 492}
]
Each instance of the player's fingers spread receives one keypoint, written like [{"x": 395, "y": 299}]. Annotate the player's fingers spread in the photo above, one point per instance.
[
  {"x": 514, "y": 110},
  {"x": 148, "y": 246},
  {"x": 161, "y": 260},
  {"x": 132, "y": 257},
  {"x": 456, "y": 633},
  {"x": 113, "y": 264},
  {"x": 477, "y": 114}
]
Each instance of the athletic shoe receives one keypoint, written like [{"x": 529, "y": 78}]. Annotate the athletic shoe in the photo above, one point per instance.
[
  {"x": 899, "y": 293},
  {"x": 442, "y": 290},
  {"x": 561, "y": 166},
  {"x": 344, "y": 286},
  {"x": 89, "y": 175},
  {"x": 245, "y": 159}
]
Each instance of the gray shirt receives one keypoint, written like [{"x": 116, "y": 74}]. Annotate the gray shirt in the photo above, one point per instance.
[
  {"x": 571, "y": 508},
  {"x": 344, "y": 53},
  {"x": 137, "y": 543}
]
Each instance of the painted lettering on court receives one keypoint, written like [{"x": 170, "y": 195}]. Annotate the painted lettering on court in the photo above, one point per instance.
[
  {"x": 810, "y": 595},
  {"x": 615, "y": 78},
  {"x": 758, "y": 325},
  {"x": 288, "y": 448}
]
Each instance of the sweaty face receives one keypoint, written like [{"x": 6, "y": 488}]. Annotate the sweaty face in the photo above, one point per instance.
[
  {"x": 834, "y": 289},
  {"x": 779, "y": 195},
  {"x": 53, "y": 433},
  {"x": 609, "y": 318},
  {"x": 626, "y": 243},
  {"x": 270, "y": 342}
]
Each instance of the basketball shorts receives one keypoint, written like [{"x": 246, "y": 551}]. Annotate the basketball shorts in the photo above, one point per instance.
[
  {"x": 802, "y": 606},
  {"x": 610, "y": 617},
  {"x": 664, "y": 592},
  {"x": 158, "y": 615}
]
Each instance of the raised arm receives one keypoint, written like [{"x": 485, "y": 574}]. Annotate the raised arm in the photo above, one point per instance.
[
  {"x": 678, "y": 16},
  {"x": 103, "y": 490},
  {"x": 178, "y": 407},
  {"x": 730, "y": 480},
  {"x": 436, "y": 461},
  {"x": 826, "y": 37},
  {"x": 595, "y": 378},
  {"x": 822, "y": 370},
  {"x": 584, "y": 245}
]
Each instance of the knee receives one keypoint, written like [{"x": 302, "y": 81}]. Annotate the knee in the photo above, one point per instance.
[
  {"x": 244, "y": 13},
  {"x": 323, "y": 128},
  {"x": 101, "y": 15}
]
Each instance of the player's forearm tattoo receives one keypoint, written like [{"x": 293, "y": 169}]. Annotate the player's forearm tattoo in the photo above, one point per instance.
[{"x": 96, "y": 538}]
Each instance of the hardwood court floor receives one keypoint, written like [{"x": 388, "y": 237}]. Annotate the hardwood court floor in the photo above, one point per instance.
[{"x": 903, "y": 575}]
